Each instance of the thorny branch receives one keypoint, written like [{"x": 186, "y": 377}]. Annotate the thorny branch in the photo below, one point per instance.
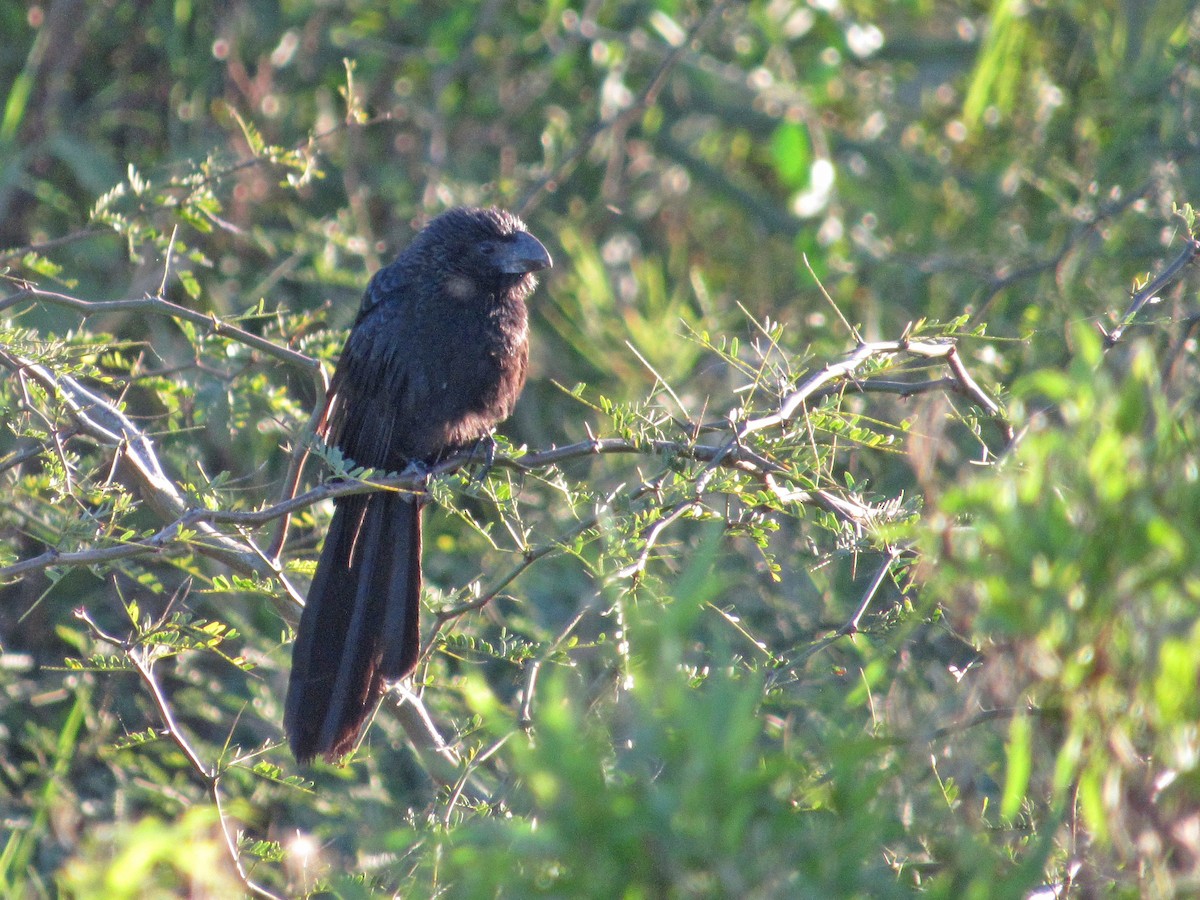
[
  {"x": 225, "y": 534},
  {"x": 99, "y": 419},
  {"x": 960, "y": 381},
  {"x": 158, "y": 305}
]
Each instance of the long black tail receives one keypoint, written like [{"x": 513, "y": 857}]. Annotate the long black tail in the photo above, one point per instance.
[{"x": 359, "y": 626}]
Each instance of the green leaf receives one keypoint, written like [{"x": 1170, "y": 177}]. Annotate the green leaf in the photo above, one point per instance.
[
  {"x": 791, "y": 152},
  {"x": 1019, "y": 752}
]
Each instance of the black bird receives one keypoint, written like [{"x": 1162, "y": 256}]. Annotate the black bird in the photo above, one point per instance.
[{"x": 436, "y": 357}]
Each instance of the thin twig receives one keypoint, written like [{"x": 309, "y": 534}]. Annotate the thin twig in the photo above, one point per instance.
[
  {"x": 851, "y": 627},
  {"x": 1157, "y": 285},
  {"x": 54, "y": 243},
  {"x": 854, "y": 333},
  {"x": 440, "y": 760},
  {"x": 142, "y": 659},
  {"x": 159, "y": 305},
  {"x": 535, "y": 668},
  {"x": 638, "y": 566}
]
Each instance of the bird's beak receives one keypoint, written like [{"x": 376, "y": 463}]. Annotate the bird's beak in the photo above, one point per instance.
[{"x": 522, "y": 254}]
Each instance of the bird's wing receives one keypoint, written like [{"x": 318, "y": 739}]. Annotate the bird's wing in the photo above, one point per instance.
[{"x": 370, "y": 406}]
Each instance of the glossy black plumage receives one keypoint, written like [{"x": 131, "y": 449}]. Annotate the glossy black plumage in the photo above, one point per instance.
[{"x": 436, "y": 357}]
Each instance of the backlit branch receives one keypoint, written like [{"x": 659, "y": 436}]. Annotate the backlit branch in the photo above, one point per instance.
[{"x": 98, "y": 418}]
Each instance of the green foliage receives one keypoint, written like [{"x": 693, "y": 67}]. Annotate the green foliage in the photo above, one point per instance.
[
  {"x": 136, "y": 856},
  {"x": 679, "y": 790},
  {"x": 1080, "y": 564},
  {"x": 831, "y": 550}
]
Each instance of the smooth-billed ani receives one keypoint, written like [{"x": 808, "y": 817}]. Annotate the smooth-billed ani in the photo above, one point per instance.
[{"x": 436, "y": 357}]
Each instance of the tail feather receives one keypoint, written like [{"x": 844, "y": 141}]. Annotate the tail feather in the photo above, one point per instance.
[
  {"x": 401, "y": 632},
  {"x": 362, "y": 611},
  {"x": 356, "y": 680}
]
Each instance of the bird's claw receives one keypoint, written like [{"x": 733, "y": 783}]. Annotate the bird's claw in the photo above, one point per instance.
[{"x": 487, "y": 444}]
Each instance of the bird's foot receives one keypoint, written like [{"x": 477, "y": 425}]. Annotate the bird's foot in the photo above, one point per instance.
[
  {"x": 486, "y": 446},
  {"x": 419, "y": 471}
]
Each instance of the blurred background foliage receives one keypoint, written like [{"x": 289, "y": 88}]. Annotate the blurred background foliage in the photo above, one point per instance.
[{"x": 673, "y": 713}]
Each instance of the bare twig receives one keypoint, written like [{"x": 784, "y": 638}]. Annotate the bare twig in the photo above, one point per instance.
[
  {"x": 159, "y": 305},
  {"x": 854, "y": 333},
  {"x": 291, "y": 481},
  {"x": 536, "y": 667},
  {"x": 441, "y": 760},
  {"x": 468, "y": 774},
  {"x": 851, "y": 627},
  {"x": 638, "y": 566},
  {"x": 1151, "y": 291},
  {"x": 82, "y": 234}
]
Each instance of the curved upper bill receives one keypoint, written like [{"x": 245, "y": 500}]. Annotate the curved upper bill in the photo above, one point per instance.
[{"x": 523, "y": 253}]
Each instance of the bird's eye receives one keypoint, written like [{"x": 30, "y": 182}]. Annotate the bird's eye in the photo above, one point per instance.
[{"x": 487, "y": 248}]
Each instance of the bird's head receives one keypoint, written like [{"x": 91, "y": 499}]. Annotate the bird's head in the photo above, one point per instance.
[{"x": 483, "y": 250}]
